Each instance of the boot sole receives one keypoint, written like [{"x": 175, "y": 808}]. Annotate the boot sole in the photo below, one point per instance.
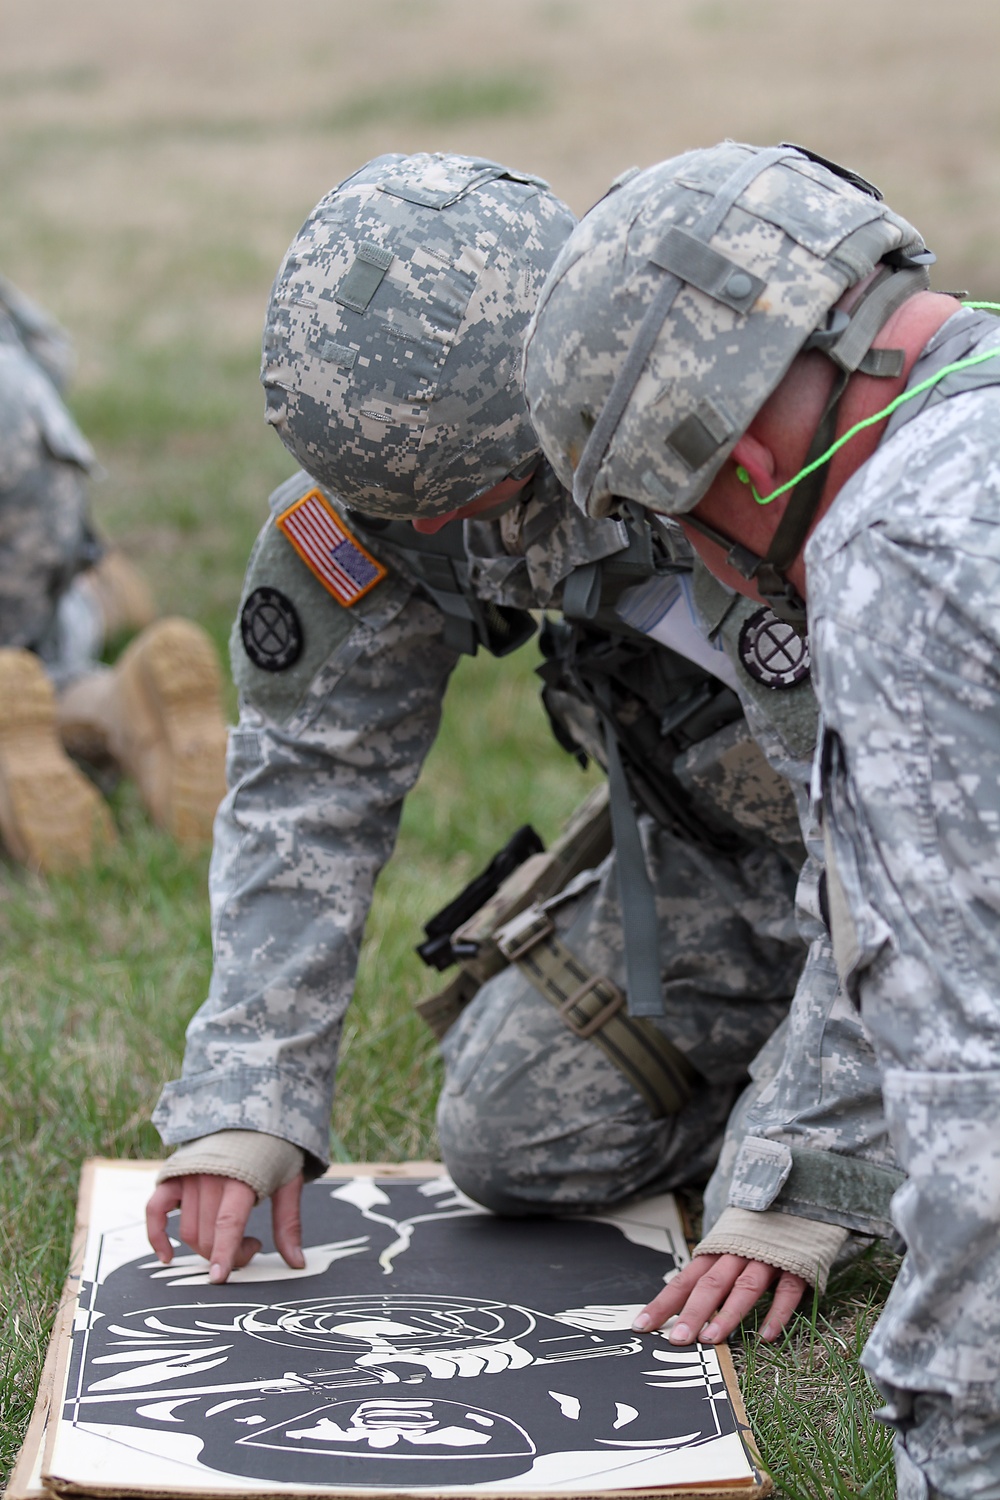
[
  {"x": 172, "y": 688},
  {"x": 52, "y": 818}
]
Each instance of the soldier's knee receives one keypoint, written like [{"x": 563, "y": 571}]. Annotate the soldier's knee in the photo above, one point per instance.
[
  {"x": 546, "y": 1161},
  {"x": 484, "y": 1184},
  {"x": 486, "y": 1158}
]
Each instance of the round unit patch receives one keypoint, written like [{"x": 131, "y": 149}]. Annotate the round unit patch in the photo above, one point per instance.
[
  {"x": 271, "y": 630},
  {"x": 772, "y": 651}
]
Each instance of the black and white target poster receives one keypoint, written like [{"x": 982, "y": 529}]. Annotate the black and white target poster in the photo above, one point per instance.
[{"x": 426, "y": 1346}]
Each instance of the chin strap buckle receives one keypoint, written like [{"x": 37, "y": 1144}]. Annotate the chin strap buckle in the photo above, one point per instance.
[{"x": 782, "y": 598}]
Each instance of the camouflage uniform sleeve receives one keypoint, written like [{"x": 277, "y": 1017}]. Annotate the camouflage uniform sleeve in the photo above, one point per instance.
[
  {"x": 324, "y": 753},
  {"x": 907, "y": 570},
  {"x": 808, "y": 1137}
]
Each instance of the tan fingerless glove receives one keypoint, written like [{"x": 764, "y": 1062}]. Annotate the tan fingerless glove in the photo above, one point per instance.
[
  {"x": 804, "y": 1246},
  {"x": 264, "y": 1162}
]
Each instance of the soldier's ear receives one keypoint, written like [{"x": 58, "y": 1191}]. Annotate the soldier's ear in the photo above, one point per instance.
[{"x": 759, "y": 462}]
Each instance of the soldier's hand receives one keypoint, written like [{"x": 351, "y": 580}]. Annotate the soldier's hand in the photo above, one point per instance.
[
  {"x": 214, "y": 1214},
  {"x": 714, "y": 1292}
]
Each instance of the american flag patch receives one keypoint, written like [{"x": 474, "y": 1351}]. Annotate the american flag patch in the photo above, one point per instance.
[{"x": 329, "y": 550}]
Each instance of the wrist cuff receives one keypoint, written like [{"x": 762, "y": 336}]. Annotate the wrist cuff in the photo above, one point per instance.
[
  {"x": 803, "y": 1246},
  {"x": 264, "y": 1162}
]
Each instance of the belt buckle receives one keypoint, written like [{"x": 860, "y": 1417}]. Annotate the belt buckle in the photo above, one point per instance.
[{"x": 589, "y": 986}]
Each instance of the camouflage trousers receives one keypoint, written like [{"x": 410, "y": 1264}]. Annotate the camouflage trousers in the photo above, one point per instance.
[
  {"x": 906, "y": 633},
  {"x": 533, "y": 1117}
]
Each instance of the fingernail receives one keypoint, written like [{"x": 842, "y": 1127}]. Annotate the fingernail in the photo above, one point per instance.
[
  {"x": 680, "y": 1334},
  {"x": 768, "y": 1331},
  {"x": 642, "y": 1323},
  {"x": 711, "y": 1333},
  {"x": 215, "y": 1273}
]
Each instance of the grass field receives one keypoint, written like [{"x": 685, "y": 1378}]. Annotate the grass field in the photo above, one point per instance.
[{"x": 156, "y": 160}]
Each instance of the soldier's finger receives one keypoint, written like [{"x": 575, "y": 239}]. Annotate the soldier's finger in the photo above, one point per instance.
[
  {"x": 188, "y": 1228},
  {"x": 229, "y": 1247},
  {"x": 210, "y": 1190},
  {"x": 163, "y": 1201},
  {"x": 749, "y": 1286},
  {"x": 286, "y": 1223},
  {"x": 787, "y": 1296},
  {"x": 711, "y": 1293},
  {"x": 674, "y": 1295}
]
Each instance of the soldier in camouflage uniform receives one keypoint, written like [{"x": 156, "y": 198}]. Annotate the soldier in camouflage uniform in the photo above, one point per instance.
[
  {"x": 746, "y": 338},
  {"x": 45, "y": 532},
  {"x": 157, "y": 715},
  {"x": 391, "y": 354}
]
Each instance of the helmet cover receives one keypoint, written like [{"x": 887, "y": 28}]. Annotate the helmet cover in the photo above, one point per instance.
[
  {"x": 677, "y": 306},
  {"x": 392, "y": 343}
]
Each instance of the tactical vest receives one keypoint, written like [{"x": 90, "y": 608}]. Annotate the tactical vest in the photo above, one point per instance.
[
  {"x": 647, "y": 704},
  {"x": 653, "y": 701}
]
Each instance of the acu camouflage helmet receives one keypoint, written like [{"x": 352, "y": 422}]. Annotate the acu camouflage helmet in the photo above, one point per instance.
[
  {"x": 681, "y": 299},
  {"x": 392, "y": 344}
]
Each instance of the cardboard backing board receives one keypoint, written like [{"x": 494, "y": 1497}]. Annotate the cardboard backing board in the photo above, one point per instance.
[
  {"x": 25, "y": 1482},
  {"x": 428, "y": 1348}
]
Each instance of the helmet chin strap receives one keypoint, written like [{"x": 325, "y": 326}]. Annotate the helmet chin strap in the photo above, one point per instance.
[
  {"x": 847, "y": 340},
  {"x": 770, "y": 573}
]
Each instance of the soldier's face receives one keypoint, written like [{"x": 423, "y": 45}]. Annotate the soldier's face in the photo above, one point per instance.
[{"x": 497, "y": 500}]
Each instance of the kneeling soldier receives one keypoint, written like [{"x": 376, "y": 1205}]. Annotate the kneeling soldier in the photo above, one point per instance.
[{"x": 616, "y": 988}]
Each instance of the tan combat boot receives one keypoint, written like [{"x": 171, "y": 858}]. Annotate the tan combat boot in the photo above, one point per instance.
[
  {"x": 51, "y": 817},
  {"x": 158, "y": 714}
]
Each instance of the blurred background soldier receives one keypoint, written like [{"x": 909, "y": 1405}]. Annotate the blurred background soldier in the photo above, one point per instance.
[
  {"x": 746, "y": 338},
  {"x": 156, "y": 715},
  {"x": 613, "y": 989}
]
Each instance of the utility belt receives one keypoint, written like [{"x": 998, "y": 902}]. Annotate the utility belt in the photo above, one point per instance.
[{"x": 514, "y": 925}]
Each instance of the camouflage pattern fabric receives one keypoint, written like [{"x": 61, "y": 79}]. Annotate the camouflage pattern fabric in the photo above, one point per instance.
[
  {"x": 904, "y": 575},
  {"x": 724, "y": 261},
  {"x": 532, "y": 1119},
  {"x": 816, "y": 1085},
  {"x": 45, "y": 537},
  {"x": 392, "y": 335},
  {"x": 903, "y": 589},
  {"x": 324, "y": 754}
]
